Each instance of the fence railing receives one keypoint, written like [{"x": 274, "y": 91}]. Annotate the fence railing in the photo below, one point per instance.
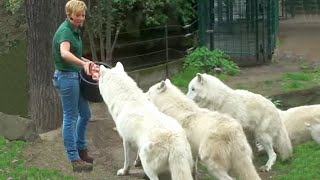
[{"x": 154, "y": 46}]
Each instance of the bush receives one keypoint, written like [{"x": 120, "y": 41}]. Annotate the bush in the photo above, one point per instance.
[{"x": 207, "y": 61}]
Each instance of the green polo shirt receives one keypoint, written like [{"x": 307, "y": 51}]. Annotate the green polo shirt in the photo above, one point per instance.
[{"x": 66, "y": 32}]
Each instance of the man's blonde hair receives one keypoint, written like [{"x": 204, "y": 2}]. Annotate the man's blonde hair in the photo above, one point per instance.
[{"x": 75, "y": 6}]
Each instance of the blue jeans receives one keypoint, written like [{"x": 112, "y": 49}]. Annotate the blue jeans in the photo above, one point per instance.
[{"x": 76, "y": 112}]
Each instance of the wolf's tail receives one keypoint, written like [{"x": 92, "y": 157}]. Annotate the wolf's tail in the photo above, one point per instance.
[
  {"x": 283, "y": 144},
  {"x": 242, "y": 159},
  {"x": 180, "y": 162}
]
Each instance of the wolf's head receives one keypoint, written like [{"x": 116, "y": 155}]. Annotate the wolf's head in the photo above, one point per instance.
[
  {"x": 158, "y": 89},
  {"x": 165, "y": 95},
  {"x": 197, "y": 88},
  {"x": 204, "y": 86},
  {"x": 106, "y": 72}
]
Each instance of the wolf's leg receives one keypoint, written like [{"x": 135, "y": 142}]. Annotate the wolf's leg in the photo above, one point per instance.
[
  {"x": 126, "y": 166},
  {"x": 259, "y": 147},
  {"x": 148, "y": 168},
  {"x": 218, "y": 171},
  {"x": 137, "y": 162},
  {"x": 266, "y": 143},
  {"x": 195, "y": 169}
]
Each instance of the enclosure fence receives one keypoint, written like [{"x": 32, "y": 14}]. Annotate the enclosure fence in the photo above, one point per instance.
[
  {"x": 156, "y": 45},
  {"x": 244, "y": 29},
  {"x": 292, "y": 8}
]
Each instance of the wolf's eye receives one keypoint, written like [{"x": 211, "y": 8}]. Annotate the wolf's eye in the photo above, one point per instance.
[{"x": 192, "y": 89}]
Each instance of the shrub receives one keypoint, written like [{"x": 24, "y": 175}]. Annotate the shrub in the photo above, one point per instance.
[{"x": 207, "y": 61}]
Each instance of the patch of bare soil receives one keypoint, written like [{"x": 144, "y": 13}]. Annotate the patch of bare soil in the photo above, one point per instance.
[
  {"x": 299, "y": 43},
  {"x": 299, "y": 47},
  {"x": 105, "y": 146}
]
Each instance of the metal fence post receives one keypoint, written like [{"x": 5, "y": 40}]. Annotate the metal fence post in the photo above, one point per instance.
[
  {"x": 167, "y": 49},
  {"x": 202, "y": 16}
]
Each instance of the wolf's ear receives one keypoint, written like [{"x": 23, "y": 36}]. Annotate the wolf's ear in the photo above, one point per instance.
[
  {"x": 199, "y": 77},
  {"x": 162, "y": 86},
  {"x": 119, "y": 66},
  {"x": 168, "y": 81}
]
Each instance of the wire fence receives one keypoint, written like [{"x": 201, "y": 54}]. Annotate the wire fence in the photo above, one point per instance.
[
  {"x": 292, "y": 8},
  {"x": 154, "y": 46}
]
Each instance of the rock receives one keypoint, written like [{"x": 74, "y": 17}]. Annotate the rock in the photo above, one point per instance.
[
  {"x": 51, "y": 135},
  {"x": 14, "y": 127}
]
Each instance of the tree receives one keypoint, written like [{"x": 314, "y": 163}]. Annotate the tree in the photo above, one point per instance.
[
  {"x": 43, "y": 18},
  {"x": 107, "y": 17}
]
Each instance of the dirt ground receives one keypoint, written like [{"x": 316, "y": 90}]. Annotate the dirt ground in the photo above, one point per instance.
[{"x": 299, "y": 47}]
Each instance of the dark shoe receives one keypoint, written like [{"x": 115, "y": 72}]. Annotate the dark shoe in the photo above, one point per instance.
[
  {"x": 80, "y": 165},
  {"x": 84, "y": 156}
]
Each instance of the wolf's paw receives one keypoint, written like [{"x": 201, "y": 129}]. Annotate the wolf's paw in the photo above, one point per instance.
[
  {"x": 264, "y": 169},
  {"x": 122, "y": 172}
]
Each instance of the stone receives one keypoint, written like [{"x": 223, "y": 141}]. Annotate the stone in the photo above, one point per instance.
[{"x": 14, "y": 127}]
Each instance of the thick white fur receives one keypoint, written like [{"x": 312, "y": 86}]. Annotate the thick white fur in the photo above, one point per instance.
[
  {"x": 216, "y": 139},
  {"x": 315, "y": 132},
  {"x": 255, "y": 113},
  {"x": 160, "y": 141},
  {"x": 302, "y": 123}
]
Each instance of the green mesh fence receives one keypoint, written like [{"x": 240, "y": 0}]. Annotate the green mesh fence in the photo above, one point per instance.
[
  {"x": 296, "y": 7},
  {"x": 245, "y": 29}
]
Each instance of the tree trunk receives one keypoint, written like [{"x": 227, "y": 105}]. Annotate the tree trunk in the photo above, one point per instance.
[
  {"x": 109, "y": 49},
  {"x": 91, "y": 35},
  {"x": 43, "y": 18},
  {"x": 101, "y": 38}
]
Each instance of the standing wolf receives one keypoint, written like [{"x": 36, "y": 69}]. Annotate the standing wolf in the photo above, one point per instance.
[
  {"x": 255, "y": 113},
  {"x": 217, "y": 139},
  {"x": 299, "y": 121},
  {"x": 161, "y": 141}
]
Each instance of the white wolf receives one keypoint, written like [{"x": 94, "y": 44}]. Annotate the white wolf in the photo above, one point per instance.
[
  {"x": 216, "y": 139},
  {"x": 315, "y": 132},
  {"x": 301, "y": 123},
  {"x": 255, "y": 113},
  {"x": 161, "y": 141}
]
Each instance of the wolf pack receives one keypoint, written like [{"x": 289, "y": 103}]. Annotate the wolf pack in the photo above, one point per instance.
[{"x": 212, "y": 124}]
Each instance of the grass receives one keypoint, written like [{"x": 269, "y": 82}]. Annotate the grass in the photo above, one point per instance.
[
  {"x": 304, "y": 164},
  {"x": 300, "y": 76},
  {"x": 12, "y": 164},
  {"x": 299, "y": 80},
  {"x": 289, "y": 81}
]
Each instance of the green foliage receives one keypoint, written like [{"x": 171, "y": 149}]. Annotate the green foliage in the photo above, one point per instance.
[
  {"x": 207, "y": 61},
  {"x": 12, "y": 164},
  {"x": 278, "y": 42},
  {"x": 13, "y": 25},
  {"x": 2, "y": 141},
  {"x": 183, "y": 78},
  {"x": 13, "y": 5},
  {"x": 156, "y": 12}
]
